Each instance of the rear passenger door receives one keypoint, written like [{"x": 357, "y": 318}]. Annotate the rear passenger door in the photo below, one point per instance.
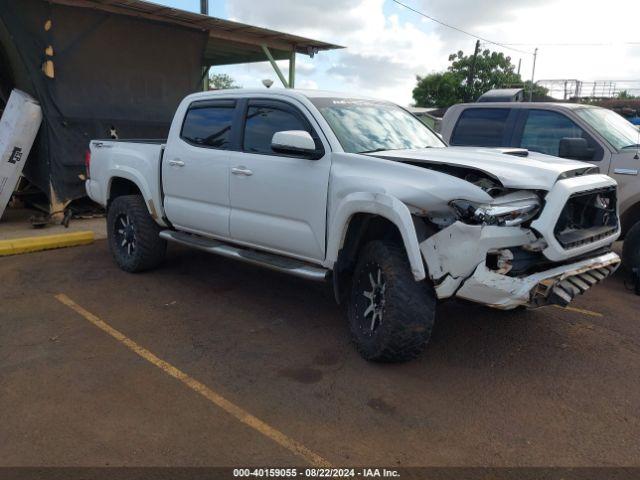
[
  {"x": 484, "y": 127},
  {"x": 278, "y": 202},
  {"x": 195, "y": 169}
]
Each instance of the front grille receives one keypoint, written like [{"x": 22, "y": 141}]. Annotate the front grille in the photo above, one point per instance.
[{"x": 587, "y": 217}]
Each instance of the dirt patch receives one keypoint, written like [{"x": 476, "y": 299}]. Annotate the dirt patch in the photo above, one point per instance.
[
  {"x": 381, "y": 406},
  {"x": 302, "y": 375}
]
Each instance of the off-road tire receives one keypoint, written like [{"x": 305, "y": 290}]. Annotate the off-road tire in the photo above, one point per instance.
[
  {"x": 148, "y": 249},
  {"x": 408, "y": 310},
  {"x": 631, "y": 248}
]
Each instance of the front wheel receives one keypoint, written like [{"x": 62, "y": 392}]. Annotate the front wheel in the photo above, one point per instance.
[
  {"x": 134, "y": 237},
  {"x": 390, "y": 314}
]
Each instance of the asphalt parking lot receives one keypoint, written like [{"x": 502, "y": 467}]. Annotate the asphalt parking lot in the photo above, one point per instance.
[{"x": 550, "y": 387}]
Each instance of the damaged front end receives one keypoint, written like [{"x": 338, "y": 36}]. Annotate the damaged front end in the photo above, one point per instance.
[{"x": 525, "y": 248}]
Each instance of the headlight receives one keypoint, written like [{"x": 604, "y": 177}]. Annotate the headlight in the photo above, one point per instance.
[{"x": 508, "y": 210}]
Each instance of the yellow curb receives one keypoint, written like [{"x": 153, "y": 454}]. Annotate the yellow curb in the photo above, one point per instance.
[{"x": 16, "y": 246}]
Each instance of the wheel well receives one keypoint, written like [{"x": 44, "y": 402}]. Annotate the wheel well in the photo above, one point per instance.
[
  {"x": 122, "y": 186},
  {"x": 630, "y": 218},
  {"x": 363, "y": 228}
]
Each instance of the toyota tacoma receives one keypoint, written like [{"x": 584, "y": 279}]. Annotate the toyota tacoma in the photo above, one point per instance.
[{"x": 360, "y": 193}]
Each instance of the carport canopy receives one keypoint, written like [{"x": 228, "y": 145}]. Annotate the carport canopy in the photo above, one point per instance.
[{"x": 229, "y": 42}]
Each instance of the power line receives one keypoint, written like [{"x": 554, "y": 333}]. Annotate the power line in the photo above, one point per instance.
[
  {"x": 459, "y": 29},
  {"x": 574, "y": 44}
]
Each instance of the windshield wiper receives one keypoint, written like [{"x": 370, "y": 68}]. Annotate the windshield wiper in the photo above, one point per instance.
[
  {"x": 391, "y": 149},
  {"x": 635, "y": 145},
  {"x": 377, "y": 150}
]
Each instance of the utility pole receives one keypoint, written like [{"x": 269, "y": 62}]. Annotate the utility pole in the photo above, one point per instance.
[
  {"x": 472, "y": 71},
  {"x": 519, "y": 64},
  {"x": 204, "y": 7},
  {"x": 533, "y": 73}
]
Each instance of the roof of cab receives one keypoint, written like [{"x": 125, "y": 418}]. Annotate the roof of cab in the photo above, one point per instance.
[
  {"x": 548, "y": 105},
  {"x": 287, "y": 92}
]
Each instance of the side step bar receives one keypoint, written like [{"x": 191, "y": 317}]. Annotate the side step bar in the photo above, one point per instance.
[{"x": 278, "y": 263}]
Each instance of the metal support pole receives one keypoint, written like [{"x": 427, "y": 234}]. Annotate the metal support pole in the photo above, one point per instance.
[
  {"x": 204, "y": 7},
  {"x": 273, "y": 63},
  {"x": 292, "y": 68},
  {"x": 205, "y": 78},
  {"x": 533, "y": 73}
]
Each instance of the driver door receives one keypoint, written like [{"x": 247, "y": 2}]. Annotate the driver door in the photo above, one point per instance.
[{"x": 278, "y": 201}]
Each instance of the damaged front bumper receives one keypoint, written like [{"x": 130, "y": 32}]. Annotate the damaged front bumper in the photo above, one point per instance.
[
  {"x": 456, "y": 258},
  {"x": 557, "y": 286}
]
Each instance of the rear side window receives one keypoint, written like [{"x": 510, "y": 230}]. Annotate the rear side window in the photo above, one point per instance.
[
  {"x": 263, "y": 121},
  {"x": 543, "y": 131},
  {"x": 208, "y": 124},
  {"x": 481, "y": 127}
]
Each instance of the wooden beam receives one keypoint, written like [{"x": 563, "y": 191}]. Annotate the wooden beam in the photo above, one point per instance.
[
  {"x": 275, "y": 66},
  {"x": 220, "y": 33}
]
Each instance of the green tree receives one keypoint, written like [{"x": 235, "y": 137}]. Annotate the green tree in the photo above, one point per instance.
[
  {"x": 540, "y": 93},
  {"x": 438, "y": 90},
  {"x": 625, "y": 95},
  {"x": 488, "y": 70},
  {"x": 221, "y": 81}
]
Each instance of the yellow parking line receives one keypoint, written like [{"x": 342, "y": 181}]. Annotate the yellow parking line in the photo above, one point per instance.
[
  {"x": 215, "y": 398},
  {"x": 580, "y": 310}
]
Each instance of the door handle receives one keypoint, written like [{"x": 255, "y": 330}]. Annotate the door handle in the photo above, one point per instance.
[
  {"x": 176, "y": 163},
  {"x": 241, "y": 171}
]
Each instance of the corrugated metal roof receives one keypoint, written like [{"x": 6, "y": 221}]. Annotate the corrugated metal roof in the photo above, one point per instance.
[{"x": 230, "y": 42}]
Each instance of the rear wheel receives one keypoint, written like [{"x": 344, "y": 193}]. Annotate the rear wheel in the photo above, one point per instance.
[
  {"x": 134, "y": 237},
  {"x": 390, "y": 314}
]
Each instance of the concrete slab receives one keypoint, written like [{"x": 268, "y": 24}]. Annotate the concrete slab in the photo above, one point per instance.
[
  {"x": 545, "y": 387},
  {"x": 15, "y": 224}
]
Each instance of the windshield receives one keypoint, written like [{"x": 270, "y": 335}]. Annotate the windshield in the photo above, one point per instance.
[
  {"x": 369, "y": 126},
  {"x": 615, "y": 129}
]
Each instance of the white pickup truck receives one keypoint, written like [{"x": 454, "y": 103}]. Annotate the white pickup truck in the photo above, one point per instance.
[{"x": 359, "y": 192}]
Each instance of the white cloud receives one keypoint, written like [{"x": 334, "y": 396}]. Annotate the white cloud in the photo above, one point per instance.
[
  {"x": 388, "y": 45},
  {"x": 383, "y": 53},
  {"x": 308, "y": 84}
]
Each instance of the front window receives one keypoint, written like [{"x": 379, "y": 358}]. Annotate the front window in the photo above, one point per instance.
[
  {"x": 262, "y": 123},
  {"x": 368, "y": 126},
  {"x": 614, "y": 128},
  {"x": 544, "y": 130}
]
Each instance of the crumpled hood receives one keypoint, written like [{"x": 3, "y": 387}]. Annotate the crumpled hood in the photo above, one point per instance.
[{"x": 536, "y": 171}]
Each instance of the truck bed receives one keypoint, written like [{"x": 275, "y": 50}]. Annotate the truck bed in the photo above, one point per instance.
[{"x": 138, "y": 161}]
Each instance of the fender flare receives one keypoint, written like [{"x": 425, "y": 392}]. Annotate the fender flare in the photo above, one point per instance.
[
  {"x": 378, "y": 204},
  {"x": 133, "y": 176}
]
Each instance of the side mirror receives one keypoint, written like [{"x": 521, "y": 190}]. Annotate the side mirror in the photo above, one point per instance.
[
  {"x": 575, "y": 149},
  {"x": 294, "y": 142}
]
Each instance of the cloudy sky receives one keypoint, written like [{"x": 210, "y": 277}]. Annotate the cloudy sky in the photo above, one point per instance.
[{"x": 388, "y": 45}]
